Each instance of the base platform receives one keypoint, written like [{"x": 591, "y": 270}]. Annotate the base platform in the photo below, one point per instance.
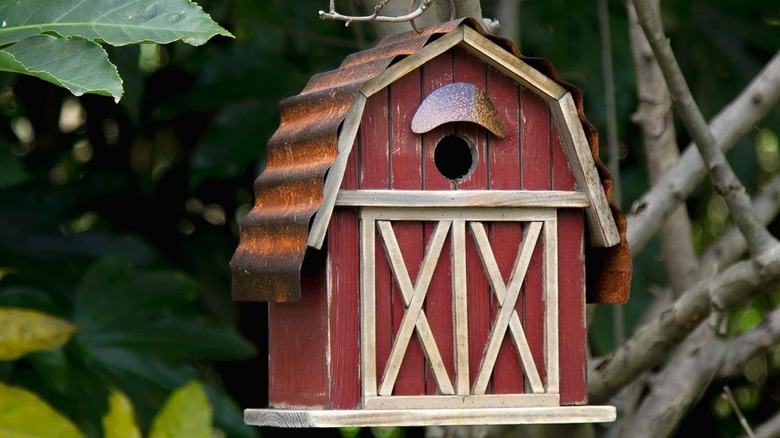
[{"x": 428, "y": 417}]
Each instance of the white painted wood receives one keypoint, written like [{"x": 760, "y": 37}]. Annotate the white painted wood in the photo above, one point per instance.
[
  {"x": 550, "y": 274},
  {"x": 401, "y": 274},
  {"x": 463, "y": 198},
  {"x": 601, "y": 224},
  {"x": 459, "y": 402},
  {"x": 411, "y": 62},
  {"x": 368, "y": 307},
  {"x": 471, "y": 214},
  {"x": 346, "y": 140},
  {"x": 511, "y": 66},
  {"x": 519, "y": 339},
  {"x": 414, "y": 309},
  {"x": 432, "y": 417},
  {"x": 460, "y": 316},
  {"x": 507, "y": 306}
]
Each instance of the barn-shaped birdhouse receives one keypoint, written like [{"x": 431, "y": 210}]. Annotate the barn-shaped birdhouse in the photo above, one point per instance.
[{"x": 421, "y": 230}]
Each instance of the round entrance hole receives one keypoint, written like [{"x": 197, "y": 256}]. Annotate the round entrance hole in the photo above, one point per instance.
[{"x": 455, "y": 157}]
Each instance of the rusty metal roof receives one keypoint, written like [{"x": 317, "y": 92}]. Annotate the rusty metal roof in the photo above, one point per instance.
[{"x": 273, "y": 241}]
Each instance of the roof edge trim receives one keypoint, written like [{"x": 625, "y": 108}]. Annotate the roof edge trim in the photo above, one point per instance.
[
  {"x": 330, "y": 190},
  {"x": 601, "y": 223}
]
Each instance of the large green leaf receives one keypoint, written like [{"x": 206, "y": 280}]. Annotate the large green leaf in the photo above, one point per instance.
[
  {"x": 119, "y": 421},
  {"x": 80, "y": 65},
  {"x": 24, "y": 415},
  {"x": 186, "y": 413},
  {"x": 117, "y": 22},
  {"x": 24, "y": 331}
]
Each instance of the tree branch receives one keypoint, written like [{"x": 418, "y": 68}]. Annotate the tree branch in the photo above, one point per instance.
[
  {"x": 375, "y": 17},
  {"x": 722, "y": 176},
  {"x": 654, "y": 117},
  {"x": 732, "y": 244},
  {"x": 758, "y": 341},
  {"x": 770, "y": 428},
  {"x": 679, "y": 385},
  {"x": 651, "y": 343},
  {"x": 732, "y": 123}
]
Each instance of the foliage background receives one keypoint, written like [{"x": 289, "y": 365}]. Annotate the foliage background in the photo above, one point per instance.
[{"x": 122, "y": 218}]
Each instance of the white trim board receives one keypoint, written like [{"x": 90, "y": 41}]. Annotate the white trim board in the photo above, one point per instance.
[{"x": 429, "y": 417}]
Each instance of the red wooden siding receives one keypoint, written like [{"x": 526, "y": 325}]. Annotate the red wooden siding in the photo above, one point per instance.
[
  {"x": 571, "y": 286},
  {"x": 296, "y": 331},
  {"x": 535, "y": 171},
  {"x": 343, "y": 248},
  {"x": 504, "y": 165},
  {"x": 387, "y": 155}
]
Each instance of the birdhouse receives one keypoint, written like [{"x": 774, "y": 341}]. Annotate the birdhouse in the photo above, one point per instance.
[{"x": 421, "y": 231}]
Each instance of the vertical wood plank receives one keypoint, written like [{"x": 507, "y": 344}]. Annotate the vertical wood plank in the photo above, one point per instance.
[
  {"x": 368, "y": 369},
  {"x": 505, "y": 174},
  {"x": 460, "y": 308},
  {"x": 551, "y": 306},
  {"x": 343, "y": 246},
  {"x": 436, "y": 73},
  {"x": 470, "y": 69},
  {"x": 535, "y": 159},
  {"x": 406, "y": 174},
  {"x": 571, "y": 286},
  {"x": 375, "y": 174},
  {"x": 297, "y": 334}
]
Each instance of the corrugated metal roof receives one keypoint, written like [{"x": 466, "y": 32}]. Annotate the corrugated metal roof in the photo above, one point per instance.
[{"x": 267, "y": 263}]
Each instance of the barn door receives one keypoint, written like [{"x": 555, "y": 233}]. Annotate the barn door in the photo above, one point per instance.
[{"x": 457, "y": 224}]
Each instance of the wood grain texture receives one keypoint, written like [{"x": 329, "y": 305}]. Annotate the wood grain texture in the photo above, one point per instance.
[
  {"x": 436, "y": 73},
  {"x": 460, "y": 402},
  {"x": 571, "y": 286},
  {"x": 504, "y": 164},
  {"x": 297, "y": 347},
  {"x": 463, "y": 198},
  {"x": 536, "y": 171},
  {"x": 375, "y": 174},
  {"x": 603, "y": 231},
  {"x": 510, "y": 65},
  {"x": 406, "y": 174},
  {"x": 333, "y": 182},
  {"x": 433, "y": 417}
]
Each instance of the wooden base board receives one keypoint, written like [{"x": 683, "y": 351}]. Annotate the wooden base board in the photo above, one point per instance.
[{"x": 428, "y": 417}]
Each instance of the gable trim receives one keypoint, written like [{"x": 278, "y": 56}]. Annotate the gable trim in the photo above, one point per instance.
[{"x": 601, "y": 223}]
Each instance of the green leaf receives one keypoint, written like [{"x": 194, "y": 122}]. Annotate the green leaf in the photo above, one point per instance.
[
  {"x": 24, "y": 415},
  {"x": 77, "y": 64},
  {"x": 24, "y": 331},
  {"x": 117, "y": 22},
  {"x": 185, "y": 413},
  {"x": 119, "y": 421}
]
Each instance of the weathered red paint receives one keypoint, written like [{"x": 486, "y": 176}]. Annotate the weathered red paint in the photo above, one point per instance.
[
  {"x": 571, "y": 286},
  {"x": 388, "y": 156}
]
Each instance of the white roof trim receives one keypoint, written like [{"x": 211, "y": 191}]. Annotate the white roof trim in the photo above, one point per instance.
[{"x": 601, "y": 224}]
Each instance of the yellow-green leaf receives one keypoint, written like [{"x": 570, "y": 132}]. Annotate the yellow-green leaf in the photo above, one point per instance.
[
  {"x": 186, "y": 413},
  {"x": 24, "y": 331},
  {"x": 24, "y": 415},
  {"x": 119, "y": 421}
]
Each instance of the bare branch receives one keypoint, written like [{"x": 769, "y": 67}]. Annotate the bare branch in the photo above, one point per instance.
[
  {"x": 654, "y": 117},
  {"x": 728, "y": 395},
  {"x": 722, "y": 176},
  {"x": 770, "y": 428},
  {"x": 679, "y": 385},
  {"x": 653, "y": 341},
  {"x": 348, "y": 19},
  {"x": 758, "y": 341},
  {"x": 732, "y": 244},
  {"x": 732, "y": 123}
]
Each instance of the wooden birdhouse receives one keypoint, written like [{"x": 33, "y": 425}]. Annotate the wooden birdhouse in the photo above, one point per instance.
[{"x": 420, "y": 231}]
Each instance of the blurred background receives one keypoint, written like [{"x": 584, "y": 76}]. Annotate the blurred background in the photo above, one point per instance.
[{"x": 122, "y": 218}]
